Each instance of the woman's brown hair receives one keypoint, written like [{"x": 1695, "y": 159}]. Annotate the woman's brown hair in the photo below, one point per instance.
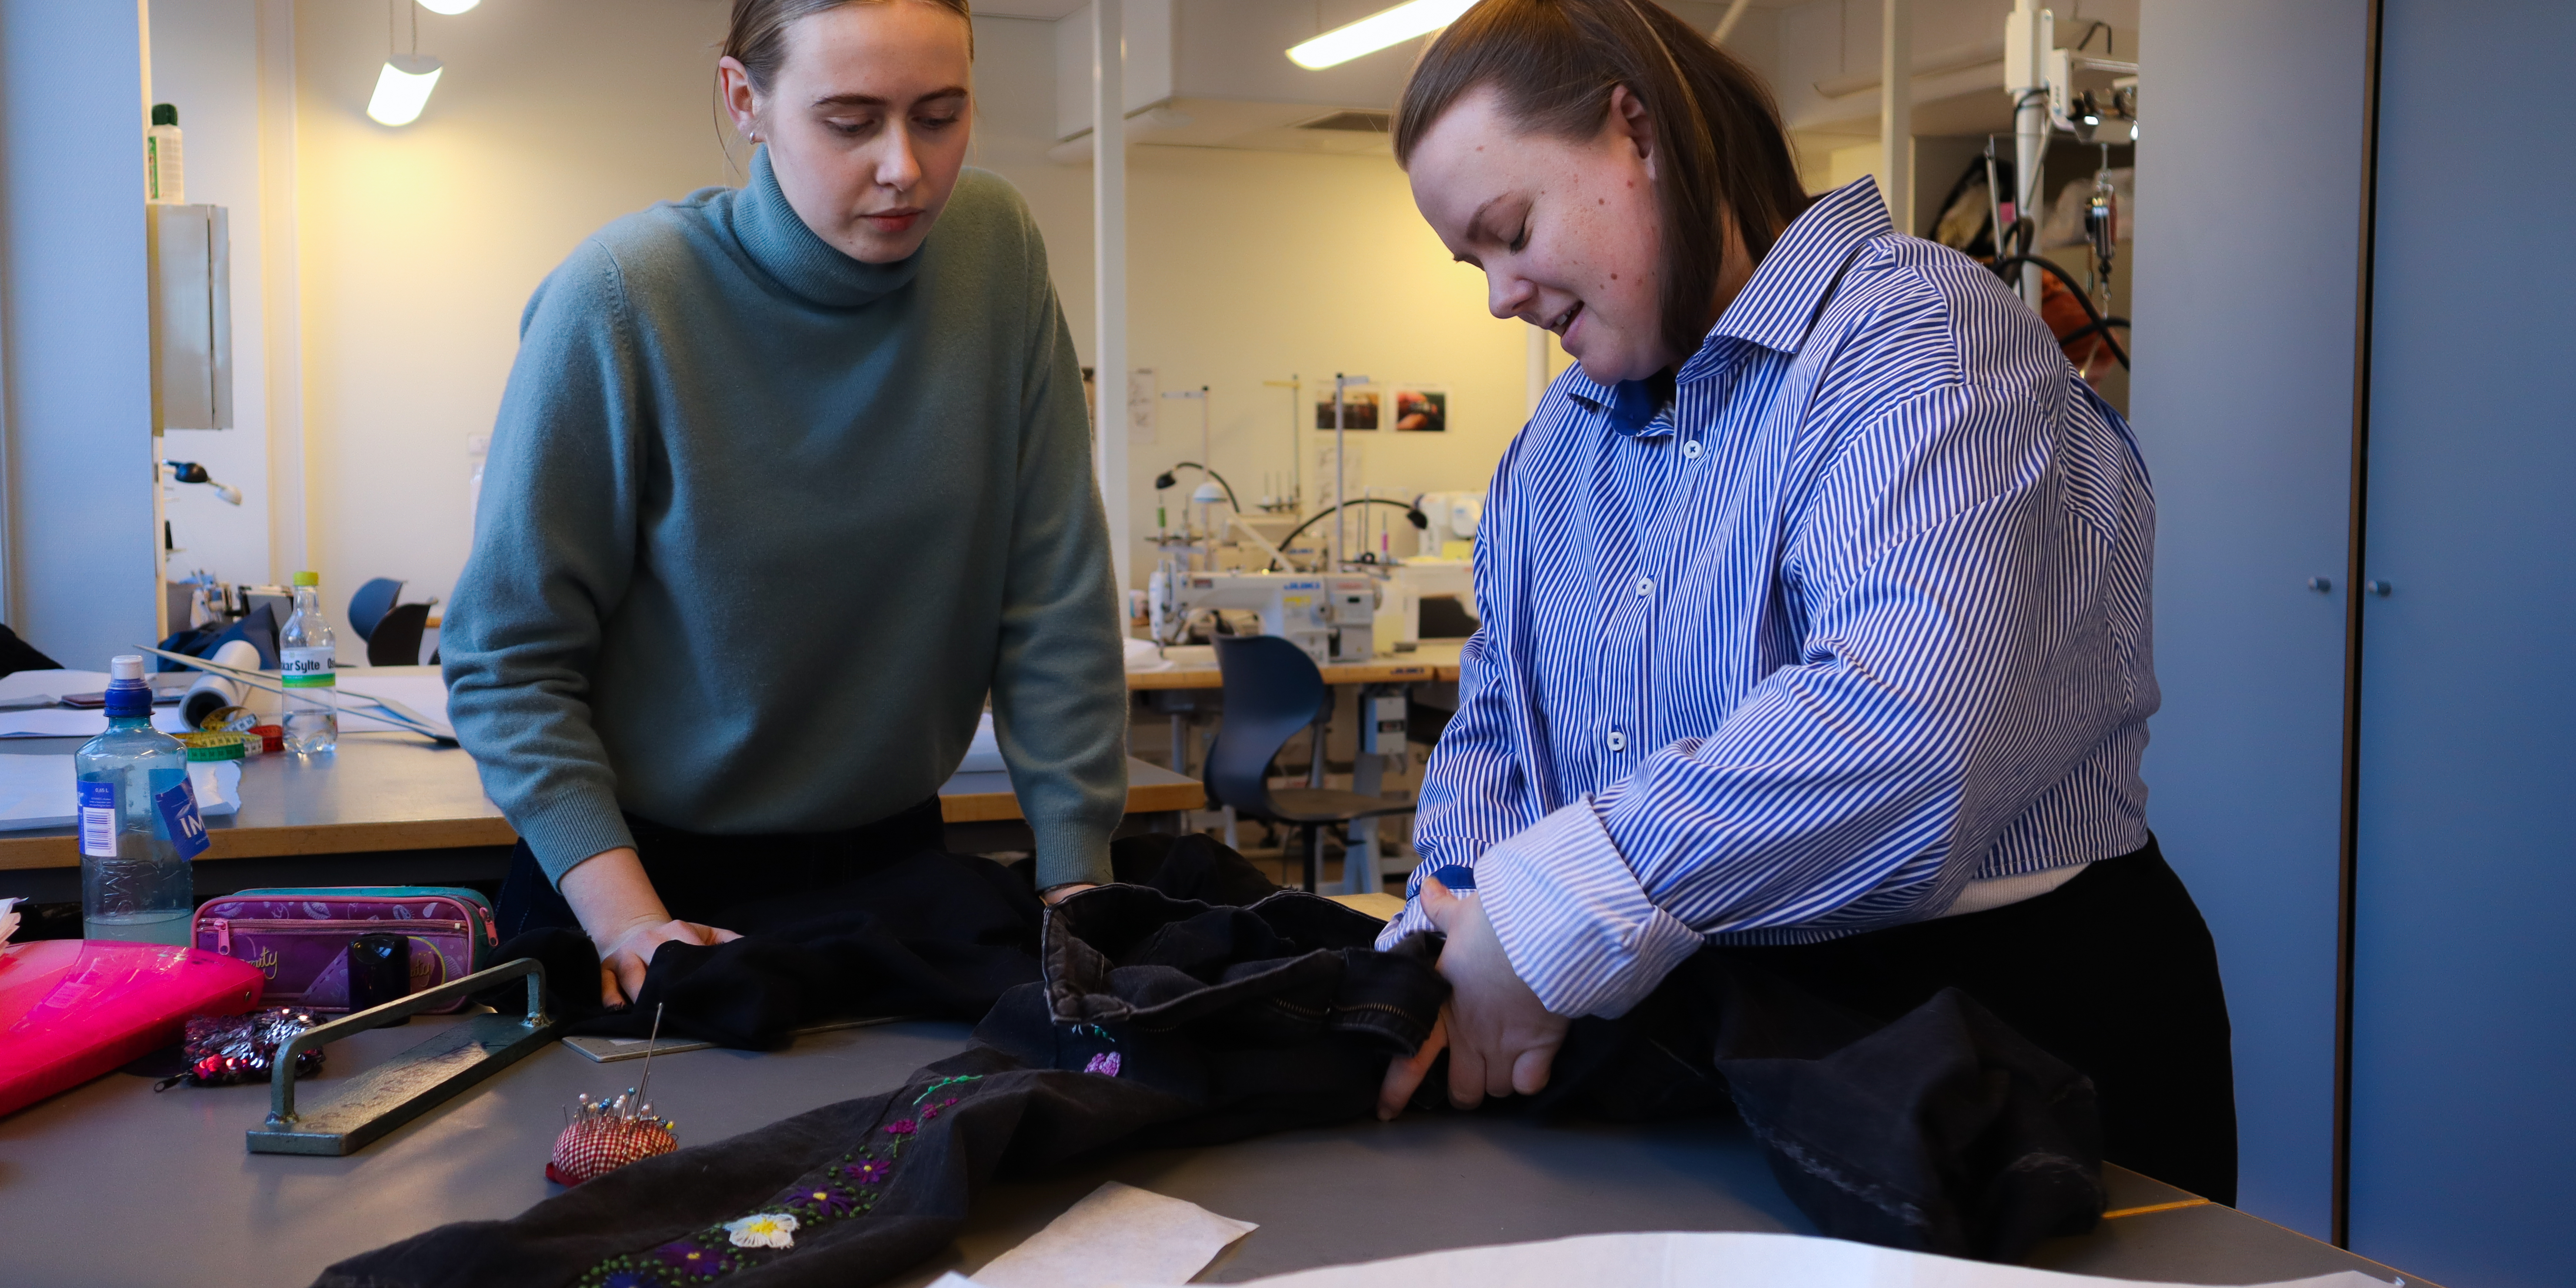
[
  {"x": 758, "y": 37},
  {"x": 1719, "y": 145}
]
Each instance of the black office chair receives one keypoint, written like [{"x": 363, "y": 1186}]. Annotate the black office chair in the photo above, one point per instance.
[
  {"x": 1272, "y": 690},
  {"x": 369, "y": 606},
  {"x": 396, "y": 638}
]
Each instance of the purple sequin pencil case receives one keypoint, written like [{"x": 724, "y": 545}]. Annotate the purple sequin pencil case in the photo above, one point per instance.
[{"x": 299, "y": 938}]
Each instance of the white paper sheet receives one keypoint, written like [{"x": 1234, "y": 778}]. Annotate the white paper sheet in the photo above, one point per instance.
[
  {"x": 1700, "y": 1260},
  {"x": 984, "y": 754},
  {"x": 51, "y": 684},
  {"x": 67, "y": 722},
  {"x": 1118, "y": 1234},
  {"x": 37, "y": 791},
  {"x": 426, "y": 694}
]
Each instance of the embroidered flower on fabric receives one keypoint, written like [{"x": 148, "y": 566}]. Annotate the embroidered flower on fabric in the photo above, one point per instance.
[
  {"x": 685, "y": 1255},
  {"x": 627, "y": 1279},
  {"x": 868, "y": 1171},
  {"x": 763, "y": 1230},
  {"x": 1105, "y": 1064},
  {"x": 902, "y": 1127}
]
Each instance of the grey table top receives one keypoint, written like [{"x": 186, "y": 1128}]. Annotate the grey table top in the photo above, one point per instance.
[{"x": 111, "y": 1184}]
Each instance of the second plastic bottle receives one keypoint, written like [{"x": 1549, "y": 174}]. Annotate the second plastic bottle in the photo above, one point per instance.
[{"x": 304, "y": 658}]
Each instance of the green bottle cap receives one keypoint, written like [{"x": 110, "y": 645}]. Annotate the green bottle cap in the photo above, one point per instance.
[
  {"x": 165, "y": 114},
  {"x": 308, "y": 579}
]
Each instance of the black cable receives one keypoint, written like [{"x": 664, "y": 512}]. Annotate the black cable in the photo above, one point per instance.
[
  {"x": 1412, "y": 514},
  {"x": 1165, "y": 479},
  {"x": 2091, "y": 327},
  {"x": 2110, "y": 39},
  {"x": 2073, "y": 288}
]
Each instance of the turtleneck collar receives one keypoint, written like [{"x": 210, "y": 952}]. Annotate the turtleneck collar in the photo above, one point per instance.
[{"x": 777, "y": 240}]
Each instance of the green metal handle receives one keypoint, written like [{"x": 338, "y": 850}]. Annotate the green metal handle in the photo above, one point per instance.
[{"x": 281, "y": 1080}]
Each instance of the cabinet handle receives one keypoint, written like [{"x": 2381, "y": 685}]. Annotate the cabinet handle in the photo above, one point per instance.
[
  {"x": 2378, "y": 587},
  {"x": 2321, "y": 585}
]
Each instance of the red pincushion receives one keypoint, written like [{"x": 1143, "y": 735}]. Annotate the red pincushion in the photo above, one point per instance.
[{"x": 598, "y": 1146}]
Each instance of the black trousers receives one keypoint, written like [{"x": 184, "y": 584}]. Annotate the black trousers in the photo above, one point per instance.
[
  {"x": 700, "y": 876},
  {"x": 2113, "y": 972}
]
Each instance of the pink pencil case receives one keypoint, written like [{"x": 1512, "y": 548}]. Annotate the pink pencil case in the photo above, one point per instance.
[
  {"x": 72, "y": 1009},
  {"x": 299, "y": 937}
]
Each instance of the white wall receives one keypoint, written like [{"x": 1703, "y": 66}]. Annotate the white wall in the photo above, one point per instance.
[
  {"x": 419, "y": 246},
  {"x": 75, "y": 360},
  {"x": 206, "y": 63},
  {"x": 397, "y": 271}
]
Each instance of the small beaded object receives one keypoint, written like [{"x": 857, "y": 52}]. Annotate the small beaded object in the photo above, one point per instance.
[{"x": 607, "y": 1134}]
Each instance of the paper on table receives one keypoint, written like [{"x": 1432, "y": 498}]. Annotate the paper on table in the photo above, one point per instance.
[
  {"x": 1118, "y": 1234},
  {"x": 37, "y": 791},
  {"x": 984, "y": 754},
  {"x": 51, "y": 684},
  {"x": 426, "y": 694},
  {"x": 67, "y": 722},
  {"x": 1699, "y": 1260}
]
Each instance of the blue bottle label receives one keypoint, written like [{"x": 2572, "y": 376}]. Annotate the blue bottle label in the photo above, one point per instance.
[
  {"x": 178, "y": 808},
  {"x": 98, "y": 819}
]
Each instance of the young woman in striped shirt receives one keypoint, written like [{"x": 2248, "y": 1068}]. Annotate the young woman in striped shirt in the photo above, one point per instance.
[{"x": 1815, "y": 604}]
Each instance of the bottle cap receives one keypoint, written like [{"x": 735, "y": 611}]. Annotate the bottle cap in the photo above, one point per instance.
[
  {"x": 127, "y": 693},
  {"x": 308, "y": 579},
  {"x": 165, "y": 114}
]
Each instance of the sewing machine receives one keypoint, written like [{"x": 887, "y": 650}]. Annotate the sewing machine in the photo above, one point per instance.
[{"x": 1329, "y": 617}]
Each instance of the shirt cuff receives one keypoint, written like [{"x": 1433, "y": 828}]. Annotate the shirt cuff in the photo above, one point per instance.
[
  {"x": 1411, "y": 921},
  {"x": 1573, "y": 921}
]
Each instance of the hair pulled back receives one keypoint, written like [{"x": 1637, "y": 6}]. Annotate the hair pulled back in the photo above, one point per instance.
[
  {"x": 1719, "y": 145},
  {"x": 758, "y": 37}
]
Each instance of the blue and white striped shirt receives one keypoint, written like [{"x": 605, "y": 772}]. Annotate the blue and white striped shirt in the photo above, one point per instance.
[{"x": 1860, "y": 617}]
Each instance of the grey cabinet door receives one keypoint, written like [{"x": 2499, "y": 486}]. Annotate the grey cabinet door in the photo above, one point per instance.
[
  {"x": 2464, "y": 1026},
  {"x": 2247, "y": 273}
]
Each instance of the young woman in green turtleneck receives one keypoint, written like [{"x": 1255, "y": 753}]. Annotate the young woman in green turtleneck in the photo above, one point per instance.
[{"x": 786, "y": 480}]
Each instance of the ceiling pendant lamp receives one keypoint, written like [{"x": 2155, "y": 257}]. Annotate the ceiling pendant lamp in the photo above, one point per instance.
[
  {"x": 1376, "y": 32},
  {"x": 402, "y": 88}
]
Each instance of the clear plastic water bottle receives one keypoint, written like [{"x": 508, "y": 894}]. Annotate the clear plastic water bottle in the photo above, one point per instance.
[
  {"x": 138, "y": 821},
  {"x": 304, "y": 655}
]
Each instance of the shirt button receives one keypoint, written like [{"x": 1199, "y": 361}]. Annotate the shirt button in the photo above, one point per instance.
[
  {"x": 1618, "y": 741},
  {"x": 1645, "y": 585},
  {"x": 1690, "y": 451}
]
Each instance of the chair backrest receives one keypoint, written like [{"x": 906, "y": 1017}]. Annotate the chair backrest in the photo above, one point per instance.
[
  {"x": 367, "y": 607},
  {"x": 1272, "y": 690},
  {"x": 396, "y": 641}
]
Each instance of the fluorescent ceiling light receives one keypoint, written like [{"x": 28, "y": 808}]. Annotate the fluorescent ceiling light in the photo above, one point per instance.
[
  {"x": 449, "y": 7},
  {"x": 1376, "y": 32},
  {"x": 402, "y": 89}
]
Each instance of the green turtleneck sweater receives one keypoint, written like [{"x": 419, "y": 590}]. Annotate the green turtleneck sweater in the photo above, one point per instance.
[{"x": 762, "y": 525}]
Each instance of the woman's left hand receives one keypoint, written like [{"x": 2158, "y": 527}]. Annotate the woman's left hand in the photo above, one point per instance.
[{"x": 1500, "y": 1039}]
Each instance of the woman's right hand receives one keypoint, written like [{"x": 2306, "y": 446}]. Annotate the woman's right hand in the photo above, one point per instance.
[{"x": 624, "y": 917}]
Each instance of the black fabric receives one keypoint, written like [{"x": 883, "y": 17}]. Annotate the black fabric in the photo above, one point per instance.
[
  {"x": 902, "y": 931},
  {"x": 18, "y": 655},
  {"x": 878, "y": 1183},
  {"x": 1943, "y": 1130},
  {"x": 2113, "y": 972},
  {"x": 702, "y": 878}
]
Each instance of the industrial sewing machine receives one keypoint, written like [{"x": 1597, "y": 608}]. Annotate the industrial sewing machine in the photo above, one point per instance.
[{"x": 1330, "y": 617}]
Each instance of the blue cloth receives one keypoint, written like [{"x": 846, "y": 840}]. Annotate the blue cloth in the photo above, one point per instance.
[{"x": 1858, "y": 617}]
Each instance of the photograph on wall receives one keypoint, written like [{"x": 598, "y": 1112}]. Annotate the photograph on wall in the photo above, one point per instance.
[
  {"x": 1359, "y": 409},
  {"x": 1421, "y": 409}
]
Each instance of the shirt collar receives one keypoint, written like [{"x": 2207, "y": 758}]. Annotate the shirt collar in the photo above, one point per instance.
[
  {"x": 775, "y": 237},
  {"x": 1774, "y": 310}
]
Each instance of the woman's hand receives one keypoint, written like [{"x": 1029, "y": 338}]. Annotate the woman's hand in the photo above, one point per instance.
[
  {"x": 1057, "y": 894},
  {"x": 625, "y": 919},
  {"x": 1499, "y": 1038}
]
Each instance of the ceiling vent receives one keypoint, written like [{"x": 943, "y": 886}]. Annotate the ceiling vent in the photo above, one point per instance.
[{"x": 1352, "y": 122}]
